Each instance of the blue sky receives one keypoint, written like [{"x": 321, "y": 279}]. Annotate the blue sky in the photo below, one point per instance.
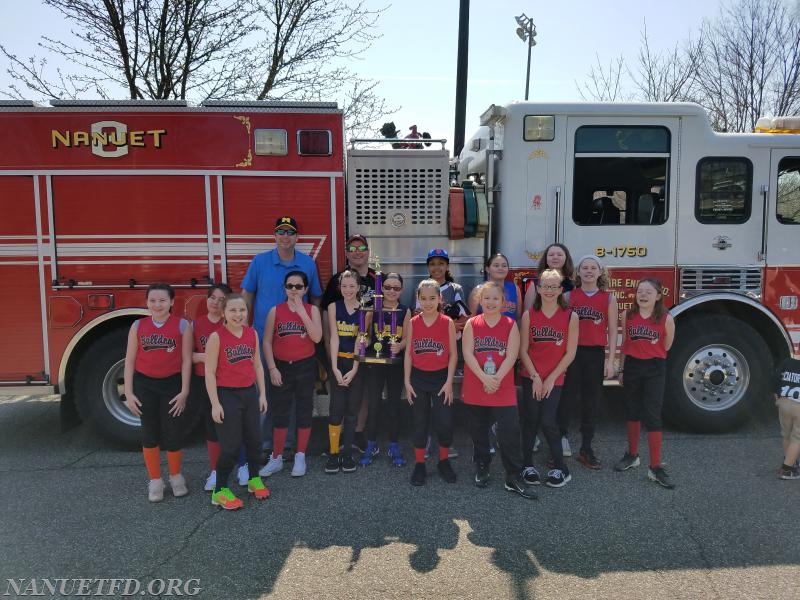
[{"x": 415, "y": 59}]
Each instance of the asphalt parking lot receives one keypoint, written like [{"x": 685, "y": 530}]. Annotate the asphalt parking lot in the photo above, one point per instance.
[{"x": 75, "y": 507}]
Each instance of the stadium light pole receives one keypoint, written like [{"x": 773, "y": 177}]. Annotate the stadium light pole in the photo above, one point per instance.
[{"x": 526, "y": 31}]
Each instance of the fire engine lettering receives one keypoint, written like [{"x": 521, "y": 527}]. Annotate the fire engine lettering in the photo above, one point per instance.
[
  {"x": 621, "y": 251},
  {"x": 118, "y": 137}
]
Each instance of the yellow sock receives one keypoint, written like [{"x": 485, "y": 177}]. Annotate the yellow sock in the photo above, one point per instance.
[{"x": 334, "y": 433}]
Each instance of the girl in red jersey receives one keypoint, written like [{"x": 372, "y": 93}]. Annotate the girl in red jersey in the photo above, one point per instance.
[
  {"x": 201, "y": 329},
  {"x": 648, "y": 332},
  {"x": 555, "y": 256},
  {"x": 158, "y": 367},
  {"x": 389, "y": 375},
  {"x": 598, "y": 316},
  {"x": 549, "y": 339},
  {"x": 429, "y": 365},
  {"x": 491, "y": 343},
  {"x": 290, "y": 337},
  {"x": 235, "y": 385}
]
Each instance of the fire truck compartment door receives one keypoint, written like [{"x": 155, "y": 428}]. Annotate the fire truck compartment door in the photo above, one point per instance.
[
  {"x": 619, "y": 191},
  {"x": 22, "y": 354}
]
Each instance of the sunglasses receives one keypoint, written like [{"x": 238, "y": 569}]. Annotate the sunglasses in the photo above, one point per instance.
[
  {"x": 393, "y": 288},
  {"x": 285, "y": 232},
  {"x": 361, "y": 248},
  {"x": 294, "y": 286}
]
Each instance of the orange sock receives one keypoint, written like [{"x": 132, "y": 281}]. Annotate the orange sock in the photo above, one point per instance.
[
  {"x": 174, "y": 460},
  {"x": 152, "y": 461},
  {"x": 444, "y": 453},
  {"x": 334, "y": 433}
]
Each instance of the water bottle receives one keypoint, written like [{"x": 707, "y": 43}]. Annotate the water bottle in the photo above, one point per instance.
[{"x": 489, "y": 367}]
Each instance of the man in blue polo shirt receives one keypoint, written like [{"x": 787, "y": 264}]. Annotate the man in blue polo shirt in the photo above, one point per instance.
[
  {"x": 262, "y": 289},
  {"x": 262, "y": 286}
]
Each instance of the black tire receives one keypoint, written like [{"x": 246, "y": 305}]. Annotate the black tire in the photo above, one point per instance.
[
  {"x": 717, "y": 372},
  {"x": 99, "y": 390}
]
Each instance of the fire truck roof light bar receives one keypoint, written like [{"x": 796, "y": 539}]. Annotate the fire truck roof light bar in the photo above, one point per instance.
[
  {"x": 96, "y": 103},
  {"x": 493, "y": 114},
  {"x": 267, "y": 104},
  {"x": 19, "y": 103}
]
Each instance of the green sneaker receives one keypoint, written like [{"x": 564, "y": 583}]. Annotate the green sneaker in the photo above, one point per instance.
[
  {"x": 226, "y": 499},
  {"x": 256, "y": 487}
]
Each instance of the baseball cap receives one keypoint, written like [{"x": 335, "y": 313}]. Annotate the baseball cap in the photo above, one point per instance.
[
  {"x": 356, "y": 236},
  {"x": 438, "y": 253},
  {"x": 287, "y": 223}
]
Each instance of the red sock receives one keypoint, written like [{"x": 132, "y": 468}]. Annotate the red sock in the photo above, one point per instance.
[
  {"x": 278, "y": 441},
  {"x": 174, "y": 460},
  {"x": 444, "y": 453},
  {"x": 419, "y": 455},
  {"x": 152, "y": 462},
  {"x": 213, "y": 454},
  {"x": 654, "y": 444},
  {"x": 634, "y": 428},
  {"x": 303, "y": 433}
]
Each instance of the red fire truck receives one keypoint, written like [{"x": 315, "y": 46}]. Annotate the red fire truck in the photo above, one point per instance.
[{"x": 100, "y": 199}]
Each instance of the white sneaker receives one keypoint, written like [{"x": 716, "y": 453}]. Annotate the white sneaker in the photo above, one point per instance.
[
  {"x": 565, "y": 448},
  {"x": 155, "y": 490},
  {"x": 211, "y": 482},
  {"x": 178, "y": 485},
  {"x": 273, "y": 466},
  {"x": 243, "y": 475},
  {"x": 299, "y": 468}
]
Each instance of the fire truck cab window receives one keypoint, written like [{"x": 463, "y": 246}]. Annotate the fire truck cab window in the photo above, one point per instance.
[
  {"x": 788, "y": 205},
  {"x": 620, "y": 175},
  {"x": 724, "y": 190}
]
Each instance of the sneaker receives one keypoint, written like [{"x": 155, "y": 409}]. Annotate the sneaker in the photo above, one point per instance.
[
  {"x": 419, "y": 474},
  {"x": 517, "y": 485},
  {"x": 531, "y": 476},
  {"x": 558, "y": 478},
  {"x": 155, "y": 490},
  {"x": 446, "y": 471},
  {"x": 369, "y": 452},
  {"x": 348, "y": 464},
  {"x": 452, "y": 452},
  {"x": 537, "y": 444},
  {"x": 659, "y": 475},
  {"x": 299, "y": 467},
  {"x": 211, "y": 482},
  {"x": 482, "y": 475},
  {"x": 396, "y": 454},
  {"x": 274, "y": 465},
  {"x": 627, "y": 461},
  {"x": 792, "y": 472},
  {"x": 178, "y": 485},
  {"x": 589, "y": 460},
  {"x": 565, "y": 447},
  {"x": 256, "y": 487},
  {"x": 243, "y": 475},
  {"x": 332, "y": 464},
  {"x": 226, "y": 499}
]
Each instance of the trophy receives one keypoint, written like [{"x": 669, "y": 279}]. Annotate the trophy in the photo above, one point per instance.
[{"x": 376, "y": 354}]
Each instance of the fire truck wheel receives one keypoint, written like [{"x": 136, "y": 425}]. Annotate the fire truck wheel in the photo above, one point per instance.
[
  {"x": 717, "y": 371},
  {"x": 99, "y": 386}
]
